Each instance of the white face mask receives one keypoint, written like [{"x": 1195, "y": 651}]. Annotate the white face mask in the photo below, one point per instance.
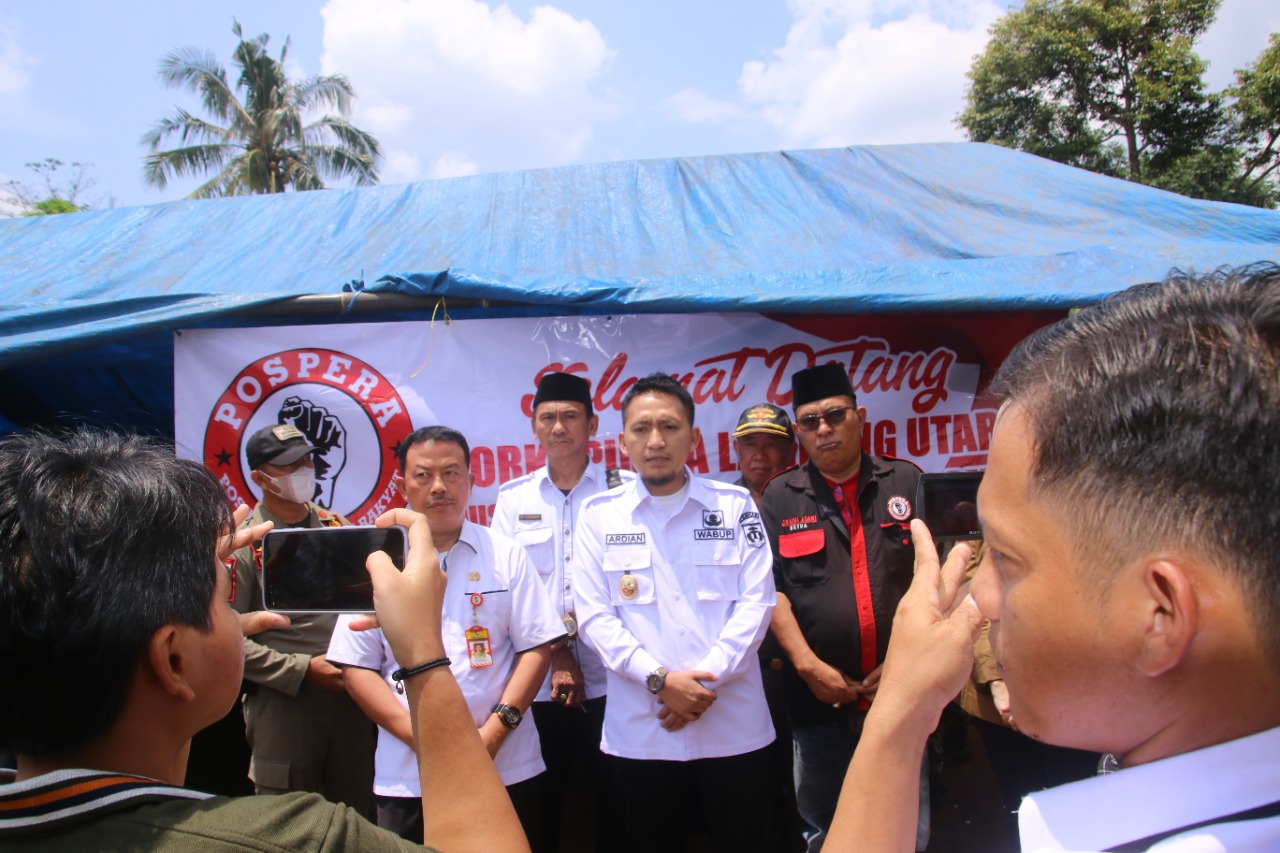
[{"x": 298, "y": 486}]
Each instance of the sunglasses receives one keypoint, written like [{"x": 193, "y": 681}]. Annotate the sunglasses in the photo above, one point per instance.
[{"x": 833, "y": 417}]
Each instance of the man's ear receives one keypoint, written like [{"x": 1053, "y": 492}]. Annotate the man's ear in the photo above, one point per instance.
[
  {"x": 1171, "y": 614},
  {"x": 399, "y": 481},
  {"x": 593, "y": 424},
  {"x": 169, "y": 660}
]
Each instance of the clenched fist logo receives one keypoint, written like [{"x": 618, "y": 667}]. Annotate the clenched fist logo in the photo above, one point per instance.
[{"x": 324, "y": 431}]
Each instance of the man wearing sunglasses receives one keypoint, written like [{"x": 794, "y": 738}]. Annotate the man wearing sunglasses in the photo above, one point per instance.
[{"x": 839, "y": 526}]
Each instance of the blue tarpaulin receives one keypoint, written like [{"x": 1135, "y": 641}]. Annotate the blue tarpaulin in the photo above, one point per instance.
[{"x": 852, "y": 230}]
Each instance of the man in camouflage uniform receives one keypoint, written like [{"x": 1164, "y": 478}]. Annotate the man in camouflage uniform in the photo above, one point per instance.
[{"x": 305, "y": 732}]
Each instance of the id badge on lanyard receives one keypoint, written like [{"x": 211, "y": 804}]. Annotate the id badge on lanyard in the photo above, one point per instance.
[{"x": 479, "y": 651}]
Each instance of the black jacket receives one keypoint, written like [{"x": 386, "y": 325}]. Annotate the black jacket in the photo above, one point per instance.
[{"x": 812, "y": 565}]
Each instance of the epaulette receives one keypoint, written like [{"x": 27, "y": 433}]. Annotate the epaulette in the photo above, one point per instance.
[
  {"x": 877, "y": 460},
  {"x": 515, "y": 481},
  {"x": 329, "y": 519}
]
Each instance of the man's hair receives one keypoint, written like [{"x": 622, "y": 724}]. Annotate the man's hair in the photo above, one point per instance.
[
  {"x": 432, "y": 433},
  {"x": 1156, "y": 422},
  {"x": 659, "y": 383},
  {"x": 103, "y": 540}
]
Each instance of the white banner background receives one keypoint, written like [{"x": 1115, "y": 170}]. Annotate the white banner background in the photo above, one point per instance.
[{"x": 359, "y": 388}]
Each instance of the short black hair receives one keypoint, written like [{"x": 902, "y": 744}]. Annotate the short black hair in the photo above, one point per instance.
[
  {"x": 432, "y": 433},
  {"x": 104, "y": 539},
  {"x": 658, "y": 383},
  {"x": 1156, "y": 417}
]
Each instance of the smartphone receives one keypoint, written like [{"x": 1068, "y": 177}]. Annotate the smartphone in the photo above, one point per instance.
[
  {"x": 948, "y": 504},
  {"x": 322, "y": 569}
]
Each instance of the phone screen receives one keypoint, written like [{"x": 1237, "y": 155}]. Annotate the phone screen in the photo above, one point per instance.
[
  {"x": 322, "y": 570},
  {"x": 948, "y": 504}
]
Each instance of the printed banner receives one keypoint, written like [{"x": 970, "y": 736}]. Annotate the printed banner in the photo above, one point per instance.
[{"x": 356, "y": 390}]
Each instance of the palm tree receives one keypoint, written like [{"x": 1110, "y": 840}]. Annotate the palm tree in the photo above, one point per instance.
[{"x": 259, "y": 144}]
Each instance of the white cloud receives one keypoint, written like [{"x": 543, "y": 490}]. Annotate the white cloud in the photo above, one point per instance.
[
  {"x": 385, "y": 117},
  {"x": 869, "y": 72},
  {"x": 14, "y": 63},
  {"x": 695, "y": 106},
  {"x": 453, "y": 164},
  {"x": 399, "y": 167},
  {"x": 442, "y": 77}
]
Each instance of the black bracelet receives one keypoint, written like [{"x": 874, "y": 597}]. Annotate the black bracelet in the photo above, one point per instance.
[{"x": 401, "y": 674}]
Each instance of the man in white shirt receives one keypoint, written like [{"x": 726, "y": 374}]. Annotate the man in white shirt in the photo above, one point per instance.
[
  {"x": 540, "y": 511},
  {"x": 674, "y": 588},
  {"x": 1131, "y": 511},
  {"x": 498, "y": 627}
]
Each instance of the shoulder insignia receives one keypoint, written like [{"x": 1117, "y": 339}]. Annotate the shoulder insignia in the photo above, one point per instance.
[
  {"x": 516, "y": 481},
  {"x": 329, "y": 518}
]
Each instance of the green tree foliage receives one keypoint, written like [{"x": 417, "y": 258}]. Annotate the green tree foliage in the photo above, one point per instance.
[
  {"x": 258, "y": 140},
  {"x": 1113, "y": 86},
  {"x": 1256, "y": 109},
  {"x": 55, "y": 193}
]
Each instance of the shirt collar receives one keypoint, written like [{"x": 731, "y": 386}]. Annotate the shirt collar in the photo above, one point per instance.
[
  {"x": 1147, "y": 799},
  {"x": 592, "y": 473},
  {"x": 470, "y": 536},
  {"x": 280, "y": 524},
  {"x": 699, "y": 490}
]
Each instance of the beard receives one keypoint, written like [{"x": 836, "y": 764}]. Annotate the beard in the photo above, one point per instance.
[{"x": 651, "y": 482}]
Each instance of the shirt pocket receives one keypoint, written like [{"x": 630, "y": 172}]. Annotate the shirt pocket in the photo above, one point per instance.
[
  {"x": 804, "y": 555},
  {"x": 540, "y": 545},
  {"x": 624, "y": 567},
  {"x": 897, "y": 533},
  {"x": 718, "y": 566}
]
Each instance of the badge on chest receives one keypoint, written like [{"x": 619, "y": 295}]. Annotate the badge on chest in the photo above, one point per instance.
[{"x": 479, "y": 650}]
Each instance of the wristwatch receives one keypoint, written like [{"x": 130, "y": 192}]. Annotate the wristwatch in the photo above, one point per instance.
[
  {"x": 656, "y": 680},
  {"x": 508, "y": 715}
]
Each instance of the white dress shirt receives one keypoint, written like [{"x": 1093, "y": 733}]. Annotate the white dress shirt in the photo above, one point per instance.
[
  {"x": 533, "y": 511},
  {"x": 518, "y": 617},
  {"x": 1148, "y": 799},
  {"x": 703, "y": 595}
]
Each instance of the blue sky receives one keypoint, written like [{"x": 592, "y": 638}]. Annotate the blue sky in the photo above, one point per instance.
[{"x": 454, "y": 87}]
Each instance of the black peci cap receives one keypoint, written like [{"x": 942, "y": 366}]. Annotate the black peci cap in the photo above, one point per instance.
[
  {"x": 818, "y": 383},
  {"x": 563, "y": 387}
]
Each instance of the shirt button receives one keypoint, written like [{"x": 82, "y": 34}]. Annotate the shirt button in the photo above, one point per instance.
[
  {"x": 677, "y": 596},
  {"x": 566, "y": 558},
  {"x": 681, "y": 632}
]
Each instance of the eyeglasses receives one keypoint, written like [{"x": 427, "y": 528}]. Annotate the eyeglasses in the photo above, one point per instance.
[{"x": 833, "y": 417}]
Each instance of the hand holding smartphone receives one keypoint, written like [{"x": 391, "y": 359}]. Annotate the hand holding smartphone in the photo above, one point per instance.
[
  {"x": 948, "y": 505},
  {"x": 322, "y": 569}
]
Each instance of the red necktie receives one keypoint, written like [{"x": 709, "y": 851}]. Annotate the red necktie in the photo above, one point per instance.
[{"x": 861, "y": 580}]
